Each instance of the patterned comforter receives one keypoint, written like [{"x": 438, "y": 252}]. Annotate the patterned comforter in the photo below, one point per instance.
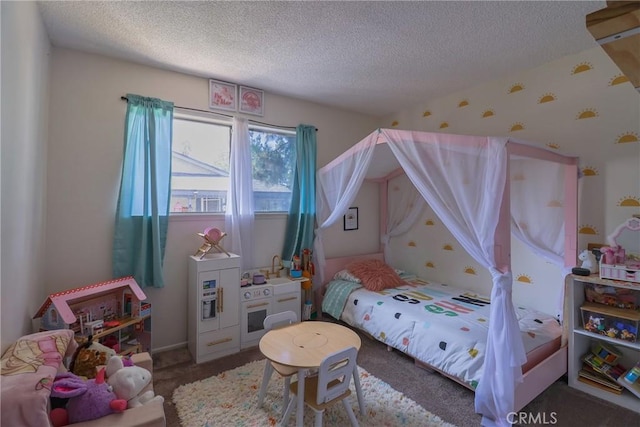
[{"x": 438, "y": 324}]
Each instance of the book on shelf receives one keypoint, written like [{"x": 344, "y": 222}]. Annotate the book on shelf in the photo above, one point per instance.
[
  {"x": 613, "y": 372},
  {"x": 633, "y": 387},
  {"x": 598, "y": 385},
  {"x": 595, "y": 376}
]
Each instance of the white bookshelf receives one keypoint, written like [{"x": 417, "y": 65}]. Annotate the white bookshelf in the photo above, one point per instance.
[{"x": 580, "y": 341}]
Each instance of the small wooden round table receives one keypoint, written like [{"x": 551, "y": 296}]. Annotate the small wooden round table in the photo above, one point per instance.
[{"x": 305, "y": 345}]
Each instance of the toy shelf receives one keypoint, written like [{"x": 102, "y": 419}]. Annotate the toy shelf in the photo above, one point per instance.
[{"x": 581, "y": 340}]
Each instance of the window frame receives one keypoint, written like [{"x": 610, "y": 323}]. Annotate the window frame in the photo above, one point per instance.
[{"x": 205, "y": 117}]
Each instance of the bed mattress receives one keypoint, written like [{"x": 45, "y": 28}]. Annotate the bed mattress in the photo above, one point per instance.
[{"x": 437, "y": 324}]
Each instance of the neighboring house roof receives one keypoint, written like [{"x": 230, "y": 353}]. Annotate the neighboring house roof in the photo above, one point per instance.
[
  {"x": 61, "y": 300},
  {"x": 183, "y": 165}
]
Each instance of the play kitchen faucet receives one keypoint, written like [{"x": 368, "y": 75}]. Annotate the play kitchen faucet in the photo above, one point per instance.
[{"x": 275, "y": 272}]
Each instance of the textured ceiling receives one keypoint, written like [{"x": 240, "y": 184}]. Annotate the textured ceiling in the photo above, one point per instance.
[{"x": 372, "y": 57}]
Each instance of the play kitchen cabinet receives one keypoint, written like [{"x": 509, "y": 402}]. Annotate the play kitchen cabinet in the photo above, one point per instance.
[
  {"x": 286, "y": 296},
  {"x": 603, "y": 313},
  {"x": 213, "y": 306}
]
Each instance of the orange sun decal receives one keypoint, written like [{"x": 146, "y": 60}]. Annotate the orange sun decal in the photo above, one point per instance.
[
  {"x": 463, "y": 103},
  {"x": 447, "y": 247},
  {"x": 394, "y": 123},
  {"x": 619, "y": 79},
  {"x": 524, "y": 278},
  {"x": 553, "y": 146},
  {"x": 587, "y": 113},
  {"x": 429, "y": 264},
  {"x": 589, "y": 171},
  {"x": 488, "y": 113},
  {"x": 516, "y": 127},
  {"x": 517, "y": 87},
  {"x": 547, "y": 97},
  {"x": 627, "y": 137},
  {"x": 412, "y": 244},
  {"x": 444, "y": 125},
  {"x": 518, "y": 177},
  {"x": 587, "y": 229},
  {"x": 581, "y": 68},
  {"x": 429, "y": 222},
  {"x": 470, "y": 270},
  {"x": 426, "y": 113},
  {"x": 629, "y": 201},
  {"x": 554, "y": 204}
]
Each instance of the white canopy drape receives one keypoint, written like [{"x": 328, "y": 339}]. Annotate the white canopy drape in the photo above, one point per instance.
[{"x": 463, "y": 179}]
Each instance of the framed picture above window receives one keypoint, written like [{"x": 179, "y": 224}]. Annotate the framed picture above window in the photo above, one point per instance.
[
  {"x": 223, "y": 95},
  {"x": 351, "y": 219},
  {"x": 251, "y": 101}
]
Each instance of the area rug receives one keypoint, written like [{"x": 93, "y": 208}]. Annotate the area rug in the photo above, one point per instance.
[{"x": 230, "y": 399}]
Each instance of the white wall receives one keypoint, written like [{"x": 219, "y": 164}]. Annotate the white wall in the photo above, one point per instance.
[
  {"x": 84, "y": 161},
  {"x": 25, "y": 100}
]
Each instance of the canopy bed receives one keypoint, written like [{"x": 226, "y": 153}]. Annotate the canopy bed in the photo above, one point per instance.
[{"x": 482, "y": 189}]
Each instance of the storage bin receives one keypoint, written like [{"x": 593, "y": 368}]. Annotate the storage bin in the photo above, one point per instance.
[
  {"x": 613, "y": 322},
  {"x": 612, "y": 296}
]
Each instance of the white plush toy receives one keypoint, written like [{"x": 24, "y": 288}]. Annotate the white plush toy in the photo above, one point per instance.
[
  {"x": 589, "y": 261},
  {"x": 129, "y": 381}
]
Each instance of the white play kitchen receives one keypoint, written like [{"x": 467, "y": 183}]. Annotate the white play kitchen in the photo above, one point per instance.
[{"x": 224, "y": 316}]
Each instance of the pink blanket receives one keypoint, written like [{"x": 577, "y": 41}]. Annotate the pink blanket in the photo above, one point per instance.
[{"x": 28, "y": 368}]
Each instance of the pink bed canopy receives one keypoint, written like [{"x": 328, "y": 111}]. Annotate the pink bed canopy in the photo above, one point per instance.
[{"x": 465, "y": 181}]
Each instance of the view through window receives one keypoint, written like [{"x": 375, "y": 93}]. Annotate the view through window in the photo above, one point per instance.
[{"x": 200, "y": 167}]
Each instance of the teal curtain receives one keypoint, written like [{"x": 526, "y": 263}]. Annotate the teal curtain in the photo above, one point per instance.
[
  {"x": 145, "y": 188},
  {"x": 302, "y": 213}
]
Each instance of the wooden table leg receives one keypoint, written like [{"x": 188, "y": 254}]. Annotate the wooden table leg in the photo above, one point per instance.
[
  {"x": 356, "y": 381},
  {"x": 300, "y": 396}
]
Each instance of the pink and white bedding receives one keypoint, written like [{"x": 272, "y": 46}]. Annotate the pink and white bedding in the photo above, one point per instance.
[{"x": 437, "y": 324}]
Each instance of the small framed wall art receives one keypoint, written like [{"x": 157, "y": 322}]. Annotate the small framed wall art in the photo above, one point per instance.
[
  {"x": 351, "y": 219},
  {"x": 251, "y": 101},
  {"x": 223, "y": 95}
]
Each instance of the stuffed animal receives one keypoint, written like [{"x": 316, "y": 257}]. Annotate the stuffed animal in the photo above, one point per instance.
[
  {"x": 88, "y": 399},
  {"x": 88, "y": 357},
  {"x": 588, "y": 261},
  {"x": 129, "y": 381}
]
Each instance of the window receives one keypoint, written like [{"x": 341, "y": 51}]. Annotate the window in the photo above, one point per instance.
[{"x": 200, "y": 166}]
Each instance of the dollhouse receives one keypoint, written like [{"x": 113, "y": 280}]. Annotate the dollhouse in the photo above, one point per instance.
[{"x": 113, "y": 312}]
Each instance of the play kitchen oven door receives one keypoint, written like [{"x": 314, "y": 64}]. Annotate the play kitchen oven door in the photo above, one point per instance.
[
  {"x": 209, "y": 300},
  {"x": 254, "y": 311}
]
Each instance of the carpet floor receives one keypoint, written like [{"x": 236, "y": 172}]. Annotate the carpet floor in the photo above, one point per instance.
[
  {"x": 439, "y": 395},
  {"x": 230, "y": 399}
]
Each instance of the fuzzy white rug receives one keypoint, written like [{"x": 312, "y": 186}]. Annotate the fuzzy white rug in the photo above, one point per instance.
[{"x": 230, "y": 399}]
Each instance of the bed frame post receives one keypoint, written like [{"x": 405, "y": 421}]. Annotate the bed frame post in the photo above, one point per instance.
[
  {"x": 502, "y": 250},
  {"x": 570, "y": 217},
  {"x": 383, "y": 190}
]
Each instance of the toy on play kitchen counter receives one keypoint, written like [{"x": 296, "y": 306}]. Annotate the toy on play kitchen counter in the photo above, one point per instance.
[{"x": 621, "y": 259}]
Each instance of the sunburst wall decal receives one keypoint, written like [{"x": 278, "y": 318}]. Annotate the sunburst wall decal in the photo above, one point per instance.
[
  {"x": 470, "y": 270},
  {"x": 429, "y": 264},
  {"x": 444, "y": 125},
  {"x": 429, "y": 222},
  {"x": 619, "y": 79},
  {"x": 426, "y": 113},
  {"x": 395, "y": 123},
  {"x": 463, "y": 103},
  {"x": 516, "y": 87},
  {"x": 524, "y": 278},
  {"x": 488, "y": 113},
  {"x": 447, "y": 247},
  {"x": 547, "y": 97},
  {"x": 627, "y": 137},
  {"x": 590, "y": 171},
  {"x": 588, "y": 229},
  {"x": 587, "y": 113},
  {"x": 516, "y": 127},
  {"x": 553, "y": 146},
  {"x": 412, "y": 244},
  {"x": 581, "y": 68},
  {"x": 629, "y": 201}
]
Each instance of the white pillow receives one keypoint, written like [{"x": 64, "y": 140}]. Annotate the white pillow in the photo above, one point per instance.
[{"x": 346, "y": 275}]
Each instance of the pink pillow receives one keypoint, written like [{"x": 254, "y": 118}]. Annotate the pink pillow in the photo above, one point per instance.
[{"x": 375, "y": 274}]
